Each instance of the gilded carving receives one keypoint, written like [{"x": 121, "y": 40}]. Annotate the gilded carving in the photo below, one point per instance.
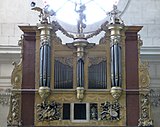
[
  {"x": 93, "y": 111},
  {"x": 80, "y": 93},
  {"x": 144, "y": 79},
  {"x": 116, "y": 92},
  {"x": 145, "y": 119},
  {"x": 144, "y": 82},
  {"x": 48, "y": 111},
  {"x": 110, "y": 111},
  {"x": 115, "y": 40},
  {"x": 14, "y": 117},
  {"x": 44, "y": 92}
]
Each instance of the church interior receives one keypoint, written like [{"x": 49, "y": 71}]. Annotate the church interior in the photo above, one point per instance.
[{"x": 80, "y": 63}]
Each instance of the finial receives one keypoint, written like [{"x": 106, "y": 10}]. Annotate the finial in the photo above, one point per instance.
[
  {"x": 115, "y": 16},
  {"x": 82, "y": 17}
]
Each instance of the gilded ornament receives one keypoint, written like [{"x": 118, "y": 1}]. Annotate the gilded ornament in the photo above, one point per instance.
[
  {"x": 144, "y": 78},
  {"x": 14, "y": 113},
  {"x": 14, "y": 117},
  {"x": 80, "y": 93},
  {"x": 44, "y": 92},
  {"x": 145, "y": 117},
  {"x": 110, "y": 111},
  {"x": 116, "y": 92},
  {"x": 48, "y": 111}
]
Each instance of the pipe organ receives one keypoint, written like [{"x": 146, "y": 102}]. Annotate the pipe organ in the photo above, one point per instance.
[{"x": 79, "y": 83}]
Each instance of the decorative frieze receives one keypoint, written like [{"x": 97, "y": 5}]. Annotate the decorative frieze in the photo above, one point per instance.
[
  {"x": 48, "y": 111},
  {"x": 110, "y": 111}
]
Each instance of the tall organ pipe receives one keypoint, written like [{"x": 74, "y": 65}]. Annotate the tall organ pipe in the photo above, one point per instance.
[
  {"x": 116, "y": 66},
  {"x": 45, "y": 55},
  {"x": 45, "y": 65},
  {"x": 80, "y": 72}
]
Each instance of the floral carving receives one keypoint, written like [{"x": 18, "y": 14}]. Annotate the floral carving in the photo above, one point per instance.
[
  {"x": 14, "y": 114},
  {"x": 49, "y": 111},
  {"x": 110, "y": 111},
  {"x": 145, "y": 120}
]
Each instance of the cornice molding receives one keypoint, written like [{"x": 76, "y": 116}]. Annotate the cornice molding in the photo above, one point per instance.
[
  {"x": 9, "y": 49},
  {"x": 150, "y": 50}
]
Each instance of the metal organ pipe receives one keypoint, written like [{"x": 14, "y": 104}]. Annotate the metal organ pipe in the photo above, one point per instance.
[
  {"x": 116, "y": 54},
  {"x": 116, "y": 67},
  {"x": 80, "y": 73},
  {"x": 45, "y": 55},
  {"x": 45, "y": 65}
]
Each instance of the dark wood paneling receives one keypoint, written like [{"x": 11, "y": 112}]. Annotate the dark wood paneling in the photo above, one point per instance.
[
  {"x": 132, "y": 98},
  {"x": 28, "y": 82}
]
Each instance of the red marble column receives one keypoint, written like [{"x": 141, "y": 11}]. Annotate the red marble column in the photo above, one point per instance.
[
  {"x": 132, "y": 81},
  {"x": 28, "y": 79}
]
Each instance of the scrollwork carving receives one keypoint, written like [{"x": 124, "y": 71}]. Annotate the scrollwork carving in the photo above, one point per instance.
[
  {"x": 144, "y": 79},
  {"x": 16, "y": 76},
  {"x": 14, "y": 117},
  {"x": 14, "y": 114},
  {"x": 57, "y": 26},
  {"x": 48, "y": 111},
  {"x": 110, "y": 111},
  {"x": 145, "y": 119}
]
